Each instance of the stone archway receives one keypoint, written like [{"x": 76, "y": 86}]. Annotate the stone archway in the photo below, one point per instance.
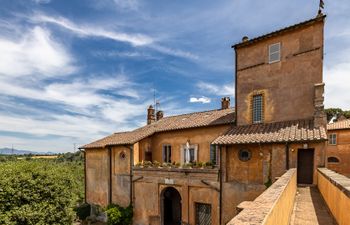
[{"x": 171, "y": 206}]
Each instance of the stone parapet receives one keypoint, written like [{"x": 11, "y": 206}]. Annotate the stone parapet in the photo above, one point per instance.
[
  {"x": 335, "y": 190},
  {"x": 274, "y": 206}
]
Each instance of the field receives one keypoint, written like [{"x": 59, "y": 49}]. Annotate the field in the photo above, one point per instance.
[{"x": 40, "y": 190}]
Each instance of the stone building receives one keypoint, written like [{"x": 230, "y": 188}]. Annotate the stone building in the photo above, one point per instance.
[
  {"x": 338, "y": 149},
  {"x": 277, "y": 123}
]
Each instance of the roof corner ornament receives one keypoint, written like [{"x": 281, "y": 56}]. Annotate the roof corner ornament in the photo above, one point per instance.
[{"x": 320, "y": 8}]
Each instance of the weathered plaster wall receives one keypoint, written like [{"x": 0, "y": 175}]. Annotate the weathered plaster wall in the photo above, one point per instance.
[
  {"x": 198, "y": 136},
  {"x": 287, "y": 85},
  {"x": 335, "y": 191},
  {"x": 121, "y": 175},
  {"x": 151, "y": 182},
  {"x": 341, "y": 151},
  {"x": 97, "y": 176}
]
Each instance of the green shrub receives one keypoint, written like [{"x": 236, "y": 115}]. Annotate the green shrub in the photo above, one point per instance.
[
  {"x": 39, "y": 192},
  {"x": 118, "y": 215},
  {"x": 83, "y": 211}
]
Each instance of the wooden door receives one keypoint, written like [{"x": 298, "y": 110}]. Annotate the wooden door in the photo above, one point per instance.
[{"x": 305, "y": 166}]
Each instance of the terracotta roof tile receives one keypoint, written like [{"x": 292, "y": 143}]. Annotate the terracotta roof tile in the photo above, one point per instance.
[
  {"x": 184, "y": 121},
  {"x": 339, "y": 125},
  {"x": 279, "y": 132}
]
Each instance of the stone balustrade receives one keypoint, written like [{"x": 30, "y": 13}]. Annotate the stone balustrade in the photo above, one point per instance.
[{"x": 273, "y": 206}]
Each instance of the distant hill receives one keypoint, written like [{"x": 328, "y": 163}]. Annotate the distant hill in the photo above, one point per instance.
[{"x": 9, "y": 151}]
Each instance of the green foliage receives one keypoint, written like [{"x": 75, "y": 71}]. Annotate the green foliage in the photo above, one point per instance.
[
  {"x": 118, "y": 215},
  {"x": 71, "y": 157},
  {"x": 39, "y": 192},
  {"x": 337, "y": 112}
]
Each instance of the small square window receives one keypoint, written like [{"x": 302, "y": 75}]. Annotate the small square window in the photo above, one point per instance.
[
  {"x": 332, "y": 139},
  {"x": 274, "y": 52}
]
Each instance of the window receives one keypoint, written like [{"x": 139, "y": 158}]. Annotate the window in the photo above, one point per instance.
[
  {"x": 214, "y": 154},
  {"x": 257, "y": 106},
  {"x": 167, "y": 153},
  {"x": 244, "y": 155},
  {"x": 193, "y": 151},
  {"x": 203, "y": 214},
  {"x": 332, "y": 159},
  {"x": 332, "y": 139},
  {"x": 274, "y": 52}
]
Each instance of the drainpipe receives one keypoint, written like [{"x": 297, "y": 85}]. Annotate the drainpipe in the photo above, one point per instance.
[
  {"x": 110, "y": 175},
  {"x": 220, "y": 195},
  {"x": 131, "y": 148},
  {"x": 84, "y": 152},
  {"x": 236, "y": 87}
]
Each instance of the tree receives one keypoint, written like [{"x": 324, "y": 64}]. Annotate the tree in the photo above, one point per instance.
[{"x": 37, "y": 192}]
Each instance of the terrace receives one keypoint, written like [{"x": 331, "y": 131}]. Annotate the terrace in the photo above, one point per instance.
[{"x": 287, "y": 203}]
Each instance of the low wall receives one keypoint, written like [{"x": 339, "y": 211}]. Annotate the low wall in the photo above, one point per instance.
[
  {"x": 273, "y": 206},
  {"x": 335, "y": 189}
]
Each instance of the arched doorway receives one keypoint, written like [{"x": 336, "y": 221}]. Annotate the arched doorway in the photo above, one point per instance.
[{"x": 171, "y": 206}]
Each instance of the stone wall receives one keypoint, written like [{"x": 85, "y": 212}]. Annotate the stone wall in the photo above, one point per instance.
[
  {"x": 274, "y": 206},
  {"x": 335, "y": 190}
]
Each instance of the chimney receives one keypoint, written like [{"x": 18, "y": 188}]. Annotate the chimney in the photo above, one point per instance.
[
  {"x": 320, "y": 118},
  {"x": 225, "y": 102},
  {"x": 245, "y": 39},
  {"x": 159, "y": 115},
  {"x": 150, "y": 115}
]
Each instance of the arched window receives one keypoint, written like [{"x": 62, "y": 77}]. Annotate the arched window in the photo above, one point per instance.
[{"x": 333, "y": 159}]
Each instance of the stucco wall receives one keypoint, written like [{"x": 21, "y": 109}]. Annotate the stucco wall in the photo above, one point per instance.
[
  {"x": 274, "y": 206},
  {"x": 151, "y": 182},
  {"x": 97, "y": 176},
  {"x": 121, "y": 175},
  {"x": 287, "y": 85},
  {"x": 341, "y": 151},
  {"x": 335, "y": 190},
  {"x": 197, "y": 136}
]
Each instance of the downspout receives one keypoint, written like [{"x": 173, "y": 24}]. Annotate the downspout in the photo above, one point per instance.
[
  {"x": 236, "y": 87},
  {"x": 220, "y": 195},
  {"x": 84, "y": 152},
  {"x": 110, "y": 175},
  {"x": 131, "y": 148}
]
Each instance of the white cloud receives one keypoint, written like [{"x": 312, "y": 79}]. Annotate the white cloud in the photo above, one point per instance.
[
  {"x": 203, "y": 100},
  {"x": 174, "y": 52},
  {"x": 95, "y": 31},
  {"x": 225, "y": 90},
  {"x": 337, "y": 88},
  {"x": 42, "y": 1},
  {"x": 127, "y": 4},
  {"x": 35, "y": 53}
]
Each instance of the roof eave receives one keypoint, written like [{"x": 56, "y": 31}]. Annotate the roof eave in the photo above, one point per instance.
[{"x": 274, "y": 33}]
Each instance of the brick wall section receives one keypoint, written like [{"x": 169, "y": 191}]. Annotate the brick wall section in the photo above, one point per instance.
[
  {"x": 274, "y": 206},
  {"x": 335, "y": 190}
]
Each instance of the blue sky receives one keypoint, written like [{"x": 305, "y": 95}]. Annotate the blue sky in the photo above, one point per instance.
[{"x": 74, "y": 71}]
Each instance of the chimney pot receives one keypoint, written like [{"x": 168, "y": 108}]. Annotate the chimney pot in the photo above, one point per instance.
[
  {"x": 150, "y": 115},
  {"x": 225, "y": 103},
  {"x": 245, "y": 38},
  {"x": 159, "y": 115}
]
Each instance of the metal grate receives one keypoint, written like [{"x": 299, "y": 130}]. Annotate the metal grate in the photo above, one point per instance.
[
  {"x": 257, "y": 108},
  {"x": 203, "y": 214}
]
